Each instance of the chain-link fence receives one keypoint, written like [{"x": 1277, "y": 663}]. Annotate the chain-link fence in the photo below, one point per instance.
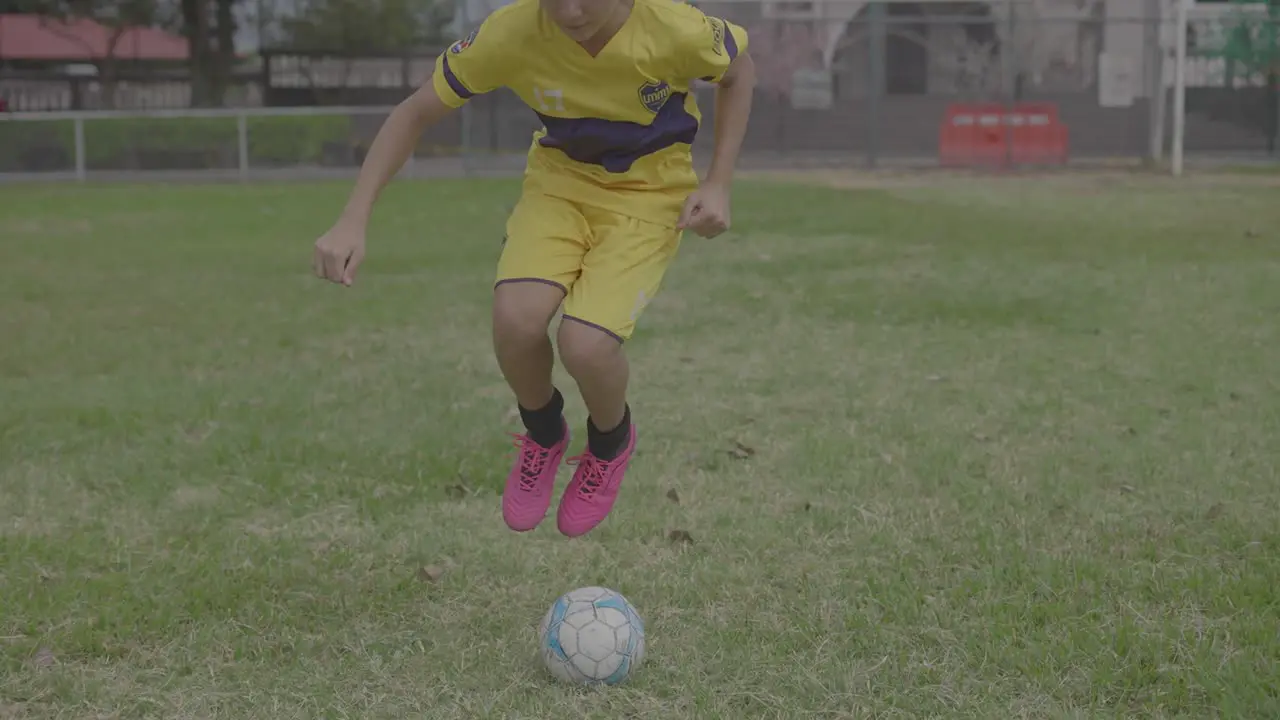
[
  {"x": 840, "y": 82},
  {"x": 1233, "y": 79}
]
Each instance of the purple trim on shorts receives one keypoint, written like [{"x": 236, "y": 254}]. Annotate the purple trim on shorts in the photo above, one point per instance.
[
  {"x": 454, "y": 83},
  {"x": 601, "y": 328},
  {"x": 544, "y": 281}
]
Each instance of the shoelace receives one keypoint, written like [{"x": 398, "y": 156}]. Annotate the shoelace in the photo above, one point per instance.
[
  {"x": 593, "y": 478},
  {"x": 533, "y": 458}
]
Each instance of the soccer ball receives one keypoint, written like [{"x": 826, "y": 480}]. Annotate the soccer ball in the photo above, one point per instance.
[{"x": 591, "y": 636}]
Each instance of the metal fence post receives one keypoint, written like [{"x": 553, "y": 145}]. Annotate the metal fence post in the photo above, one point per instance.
[
  {"x": 875, "y": 84},
  {"x": 1008, "y": 78},
  {"x": 1179, "y": 88},
  {"x": 242, "y": 145},
  {"x": 1153, "y": 61},
  {"x": 81, "y": 165},
  {"x": 464, "y": 116}
]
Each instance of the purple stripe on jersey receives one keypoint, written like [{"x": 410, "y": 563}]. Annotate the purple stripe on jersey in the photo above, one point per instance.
[
  {"x": 454, "y": 83},
  {"x": 615, "y": 144}
]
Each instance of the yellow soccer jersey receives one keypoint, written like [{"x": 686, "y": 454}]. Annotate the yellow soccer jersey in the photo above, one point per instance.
[{"x": 617, "y": 127}]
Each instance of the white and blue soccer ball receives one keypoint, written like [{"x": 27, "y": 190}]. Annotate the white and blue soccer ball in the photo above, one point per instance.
[{"x": 591, "y": 636}]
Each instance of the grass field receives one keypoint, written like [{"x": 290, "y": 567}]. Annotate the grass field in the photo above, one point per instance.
[{"x": 981, "y": 449}]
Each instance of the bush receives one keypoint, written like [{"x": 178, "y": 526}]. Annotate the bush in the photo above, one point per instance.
[
  {"x": 37, "y": 146},
  {"x": 296, "y": 140},
  {"x": 160, "y": 143},
  {"x": 157, "y": 143}
]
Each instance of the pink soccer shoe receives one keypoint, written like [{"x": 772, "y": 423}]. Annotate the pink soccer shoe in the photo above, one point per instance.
[
  {"x": 594, "y": 488},
  {"x": 527, "y": 496}
]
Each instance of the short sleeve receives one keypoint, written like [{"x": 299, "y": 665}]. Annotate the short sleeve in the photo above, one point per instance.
[
  {"x": 472, "y": 66},
  {"x": 710, "y": 44}
]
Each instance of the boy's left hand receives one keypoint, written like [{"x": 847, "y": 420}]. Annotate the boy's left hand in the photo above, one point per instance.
[{"x": 706, "y": 212}]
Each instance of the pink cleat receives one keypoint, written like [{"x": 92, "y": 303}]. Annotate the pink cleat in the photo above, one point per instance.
[
  {"x": 527, "y": 496},
  {"x": 594, "y": 488}
]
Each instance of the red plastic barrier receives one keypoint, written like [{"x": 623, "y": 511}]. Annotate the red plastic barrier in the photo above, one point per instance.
[{"x": 993, "y": 135}]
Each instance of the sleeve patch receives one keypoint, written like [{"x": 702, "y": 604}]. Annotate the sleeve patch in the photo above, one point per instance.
[
  {"x": 717, "y": 35},
  {"x": 464, "y": 43}
]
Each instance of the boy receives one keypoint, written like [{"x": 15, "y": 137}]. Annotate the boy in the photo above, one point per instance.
[{"x": 607, "y": 193}]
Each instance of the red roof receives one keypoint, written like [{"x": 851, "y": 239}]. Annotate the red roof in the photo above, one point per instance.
[{"x": 31, "y": 37}]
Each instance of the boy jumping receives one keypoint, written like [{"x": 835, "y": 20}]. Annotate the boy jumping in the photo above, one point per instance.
[{"x": 608, "y": 191}]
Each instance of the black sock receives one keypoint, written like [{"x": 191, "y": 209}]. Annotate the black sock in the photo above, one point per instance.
[
  {"x": 608, "y": 444},
  {"x": 545, "y": 425}
]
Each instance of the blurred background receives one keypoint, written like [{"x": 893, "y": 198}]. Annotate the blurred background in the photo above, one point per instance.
[{"x": 299, "y": 87}]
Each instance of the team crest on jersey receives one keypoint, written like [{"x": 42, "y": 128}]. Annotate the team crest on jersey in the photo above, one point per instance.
[
  {"x": 464, "y": 43},
  {"x": 653, "y": 95}
]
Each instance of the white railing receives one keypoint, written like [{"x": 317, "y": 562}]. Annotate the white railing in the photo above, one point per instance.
[{"x": 80, "y": 148}]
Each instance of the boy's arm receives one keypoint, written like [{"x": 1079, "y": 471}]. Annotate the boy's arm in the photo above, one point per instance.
[
  {"x": 715, "y": 50},
  {"x": 339, "y": 252},
  {"x": 472, "y": 66},
  {"x": 706, "y": 211},
  {"x": 391, "y": 148},
  {"x": 733, "y": 106},
  {"x": 468, "y": 68}
]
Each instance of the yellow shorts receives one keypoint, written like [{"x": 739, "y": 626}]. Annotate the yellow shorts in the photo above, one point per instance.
[{"x": 608, "y": 265}]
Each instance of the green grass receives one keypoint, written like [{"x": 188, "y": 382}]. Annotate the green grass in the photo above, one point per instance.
[{"x": 1014, "y": 454}]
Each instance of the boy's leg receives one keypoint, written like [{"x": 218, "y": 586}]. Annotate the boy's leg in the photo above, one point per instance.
[
  {"x": 541, "y": 260},
  {"x": 620, "y": 275},
  {"x": 595, "y": 358},
  {"x": 522, "y": 310}
]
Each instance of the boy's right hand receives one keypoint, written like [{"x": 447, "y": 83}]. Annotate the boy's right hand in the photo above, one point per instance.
[{"x": 339, "y": 252}]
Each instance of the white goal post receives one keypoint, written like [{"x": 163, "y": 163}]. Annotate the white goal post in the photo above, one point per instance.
[{"x": 1179, "y": 86}]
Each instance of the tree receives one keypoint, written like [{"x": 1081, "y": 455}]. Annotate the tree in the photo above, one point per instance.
[
  {"x": 368, "y": 26},
  {"x": 21, "y": 7},
  {"x": 117, "y": 16},
  {"x": 210, "y": 29}
]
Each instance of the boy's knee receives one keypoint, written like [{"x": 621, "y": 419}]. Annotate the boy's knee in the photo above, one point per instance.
[
  {"x": 524, "y": 310},
  {"x": 584, "y": 347}
]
